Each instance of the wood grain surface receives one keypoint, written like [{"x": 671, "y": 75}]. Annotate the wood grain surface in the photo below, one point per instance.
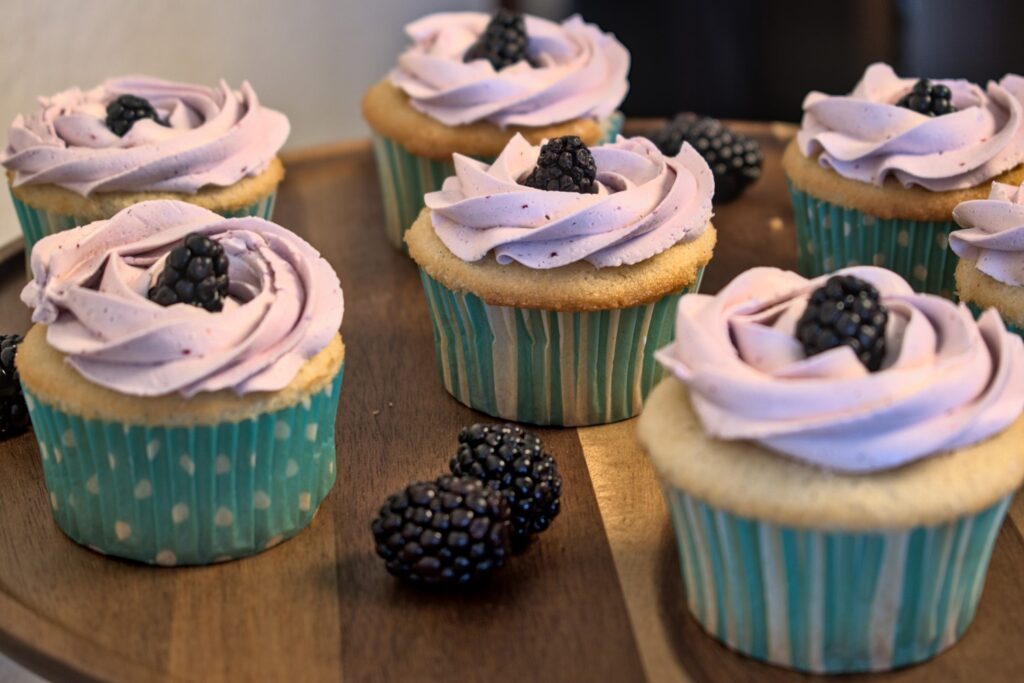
[{"x": 597, "y": 598}]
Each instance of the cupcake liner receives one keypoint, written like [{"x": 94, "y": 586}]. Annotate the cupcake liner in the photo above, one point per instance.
[
  {"x": 405, "y": 178},
  {"x": 832, "y": 601},
  {"x": 188, "y": 495},
  {"x": 549, "y": 367},
  {"x": 976, "y": 311},
  {"x": 830, "y": 237},
  {"x": 38, "y": 223}
]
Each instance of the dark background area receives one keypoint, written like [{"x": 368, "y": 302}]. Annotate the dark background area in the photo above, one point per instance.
[{"x": 755, "y": 59}]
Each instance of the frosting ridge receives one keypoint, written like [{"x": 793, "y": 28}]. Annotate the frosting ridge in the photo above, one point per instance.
[{"x": 992, "y": 233}]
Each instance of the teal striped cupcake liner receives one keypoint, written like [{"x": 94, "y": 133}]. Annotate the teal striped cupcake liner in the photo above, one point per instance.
[
  {"x": 976, "y": 311},
  {"x": 832, "y": 601},
  {"x": 405, "y": 178},
  {"x": 38, "y": 223},
  {"x": 173, "y": 496},
  {"x": 549, "y": 367},
  {"x": 830, "y": 237}
]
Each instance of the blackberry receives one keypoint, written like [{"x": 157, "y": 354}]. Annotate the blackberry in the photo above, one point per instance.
[
  {"x": 513, "y": 461},
  {"x": 845, "y": 311},
  {"x": 13, "y": 411},
  {"x": 565, "y": 164},
  {"x": 195, "y": 273},
  {"x": 123, "y": 112},
  {"x": 447, "y": 532},
  {"x": 735, "y": 159},
  {"x": 503, "y": 43},
  {"x": 930, "y": 99}
]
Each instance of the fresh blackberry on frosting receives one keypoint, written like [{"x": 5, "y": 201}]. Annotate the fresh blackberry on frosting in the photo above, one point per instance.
[
  {"x": 846, "y": 311},
  {"x": 503, "y": 43},
  {"x": 195, "y": 273},
  {"x": 13, "y": 411},
  {"x": 448, "y": 532},
  {"x": 512, "y": 460},
  {"x": 930, "y": 99},
  {"x": 565, "y": 164},
  {"x": 123, "y": 112}
]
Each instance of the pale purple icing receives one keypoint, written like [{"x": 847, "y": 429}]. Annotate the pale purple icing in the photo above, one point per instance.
[
  {"x": 947, "y": 381},
  {"x": 864, "y": 136},
  {"x": 90, "y": 283},
  {"x": 993, "y": 233},
  {"x": 216, "y": 136},
  {"x": 646, "y": 202},
  {"x": 582, "y": 73}
]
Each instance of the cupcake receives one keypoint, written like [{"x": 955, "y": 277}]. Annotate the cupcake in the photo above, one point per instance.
[
  {"x": 193, "y": 432},
  {"x": 837, "y": 457},
  {"x": 874, "y": 175},
  {"x": 469, "y": 82},
  {"x": 548, "y": 304},
  {"x": 990, "y": 245},
  {"x": 85, "y": 156}
]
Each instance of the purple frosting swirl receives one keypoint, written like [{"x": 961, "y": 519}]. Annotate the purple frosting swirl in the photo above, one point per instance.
[
  {"x": 993, "y": 233},
  {"x": 216, "y": 136},
  {"x": 865, "y": 136}
]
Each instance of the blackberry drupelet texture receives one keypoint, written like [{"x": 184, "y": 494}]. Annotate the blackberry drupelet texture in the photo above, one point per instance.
[
  {"x": 503, "y": 43},
  {"x": 13, "y": 411},
  {"x": 195, "y": 273},
  {"x": 449, "y": 532},
  {"x": 512, "y": 460},
  {"x": 931, "y": 99},
  {"x": 123, "y": 112},
  {"x": 565, "y": 164},
  {"x": 845, "y": 311}
]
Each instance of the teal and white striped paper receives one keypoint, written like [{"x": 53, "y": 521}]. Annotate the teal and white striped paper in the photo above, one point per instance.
[
  {"x": 406, "y": 178},
  {"x": 832, "y": 602},
  {"x": 830, "y": 237},
  {"x": 549, "y": 367},
  {"x": 174, "y": 496},
  {"x": 38, "y": 223}
]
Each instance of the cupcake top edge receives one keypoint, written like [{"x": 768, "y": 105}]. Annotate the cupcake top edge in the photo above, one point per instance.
[
  {"x": 138, "y": 134},
  {"x": 853, "y": 372},
  {"x": 941, "y": 134},
  {"x": 550, "y": 205},
  {"x": 263, "y": 301},
  {"x": 511, "y": 69},
  {"x": 992, "y": 233}
]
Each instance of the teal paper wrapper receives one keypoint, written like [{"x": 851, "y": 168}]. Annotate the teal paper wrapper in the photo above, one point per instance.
[
  {"x": 406, "y": 178},
  {"x": 830, "y": 237},
  {"x": 37, "y": 223},
  {"x": 549, "y": 367},
  {"x": 174, "y": 496},
  {"x": 977, "y": 311},
  {"x": 832, "y": 601}
]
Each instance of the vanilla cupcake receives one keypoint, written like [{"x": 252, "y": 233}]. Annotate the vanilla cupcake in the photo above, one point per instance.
[
  {"x": 469, "y": 82},
  {"x": 548, "y": 305},
  {"x": 990, "y": 245},
  {"x": 174, "y": 434},
  {"x": 838, "y": 457},
  {"x": 83, "y": 156},
  {"x": 874, "y": 175}
]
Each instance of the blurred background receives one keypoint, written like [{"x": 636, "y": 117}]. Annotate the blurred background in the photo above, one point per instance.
[{"x": 312, "y": 59}]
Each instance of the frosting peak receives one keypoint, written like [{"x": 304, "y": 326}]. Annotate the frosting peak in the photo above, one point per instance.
[
  {"x": 90, "y": 283},
  {"x": 215, "y": 136},
  {"x": 645, "y": 203},
  {"x": 865, "y": 136},
  {"x": 581, "y": 72},
  {"x": 993, "y": 233},
  {"x": 947, "y": 382}
]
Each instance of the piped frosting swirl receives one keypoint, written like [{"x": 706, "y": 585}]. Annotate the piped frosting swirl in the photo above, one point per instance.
[{"x": 993, "y": 233}]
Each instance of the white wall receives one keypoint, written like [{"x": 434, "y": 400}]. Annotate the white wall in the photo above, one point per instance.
[{"x": 311, "y": 59}]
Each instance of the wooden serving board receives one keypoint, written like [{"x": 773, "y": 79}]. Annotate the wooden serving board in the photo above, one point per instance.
[{"x": 597, "y": 598}]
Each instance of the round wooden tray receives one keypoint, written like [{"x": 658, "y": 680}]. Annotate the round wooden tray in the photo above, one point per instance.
[{"x": 599, "y": 597}]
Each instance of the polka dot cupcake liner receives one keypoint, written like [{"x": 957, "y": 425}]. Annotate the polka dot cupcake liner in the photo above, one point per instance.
[
  {"x": 188, "y": 495},
  {"x": 38, "y": 223},
  {"x": 830, "y": 237},
  {"x": 977, "y": 311},
  {"x": 549, "y": 367},
  {"x": 405, "y": 178},
  {"x": 832, "y": 601}
]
